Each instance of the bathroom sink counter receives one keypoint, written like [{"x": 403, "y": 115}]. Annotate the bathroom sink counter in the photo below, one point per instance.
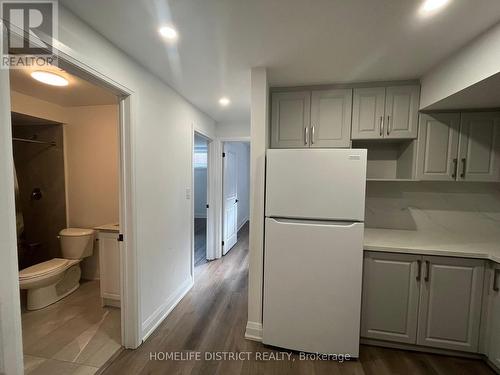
[{"x": 114, "y": 227}]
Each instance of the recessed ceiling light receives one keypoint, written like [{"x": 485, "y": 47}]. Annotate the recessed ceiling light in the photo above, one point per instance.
[
  {"x": 431, "y": 6},
  {"x": 168, "y": 32},
  {"x": 224, "y": 101},
  {"x": 49, "y": 78}
]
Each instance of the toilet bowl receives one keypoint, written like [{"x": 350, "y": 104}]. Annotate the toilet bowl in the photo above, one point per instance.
[{"x": 50, "y": 281}]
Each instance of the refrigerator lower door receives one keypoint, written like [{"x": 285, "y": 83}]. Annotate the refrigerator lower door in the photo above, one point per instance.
[{"x": 312, "y": 286}]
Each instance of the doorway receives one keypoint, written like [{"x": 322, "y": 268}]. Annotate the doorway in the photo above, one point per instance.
[
  {"x": 200, "y": 194},
  {"x": 235, "y": 191}
]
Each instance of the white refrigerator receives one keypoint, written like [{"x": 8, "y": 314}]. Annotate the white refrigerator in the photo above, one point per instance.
[{"x": 313, "y": 254}]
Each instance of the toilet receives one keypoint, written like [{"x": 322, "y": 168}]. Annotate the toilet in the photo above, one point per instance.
[{"x": 50, "y": 281}]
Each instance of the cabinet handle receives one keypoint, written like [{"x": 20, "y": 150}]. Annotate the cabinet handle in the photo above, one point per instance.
[
  {"x": 427, "y": 270},
  {"x": 496, "y": 288},
  {"x": 419, "y": 270},
  {"x": 306, "y": 136},
  {"x": 381, "y": 125},
  {"x": 462, "y": 175},
  {"x": 388, "y": 125},
  {"x": 455, "y": 168},
  {"x": 312, "y": 135}
]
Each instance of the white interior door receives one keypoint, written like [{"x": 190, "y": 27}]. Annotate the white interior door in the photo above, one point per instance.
[{"x": 230, "y": 199}]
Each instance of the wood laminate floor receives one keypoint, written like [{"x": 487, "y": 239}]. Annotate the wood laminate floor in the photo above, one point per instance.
[
  {"x": 72, "y": 336},
  {"x": 213, "y": 315}
]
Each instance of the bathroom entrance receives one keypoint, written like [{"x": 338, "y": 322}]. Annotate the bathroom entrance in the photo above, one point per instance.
[{"x": 66, "y": 157}]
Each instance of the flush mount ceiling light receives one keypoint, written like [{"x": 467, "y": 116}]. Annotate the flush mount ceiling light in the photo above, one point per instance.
[
  {"x": 431, "y": 6},
  {"x": 49, "y": 78},
  {"x": 168, "y": 32},
  {"x": 224, "y": 101}
]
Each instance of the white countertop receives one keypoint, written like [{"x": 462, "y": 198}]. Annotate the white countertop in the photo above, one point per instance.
[
  {"x": 113, "y": 227},
  {"x": 442, "y": 243}
]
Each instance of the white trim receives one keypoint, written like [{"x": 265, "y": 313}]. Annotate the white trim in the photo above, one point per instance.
[
  {"x": 151, "y": 323},
  {"x": 253, "y": 331},
  {"x": 216, "y": 199},
  {"x": 199, "y": 215}
]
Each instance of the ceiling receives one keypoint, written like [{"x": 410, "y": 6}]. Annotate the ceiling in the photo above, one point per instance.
[
  {"x": 300, "y": 42},
  {"x": 78, "y": 92}
]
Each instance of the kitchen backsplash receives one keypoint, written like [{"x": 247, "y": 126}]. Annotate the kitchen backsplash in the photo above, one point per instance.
[{"x": 434, "y": 206}]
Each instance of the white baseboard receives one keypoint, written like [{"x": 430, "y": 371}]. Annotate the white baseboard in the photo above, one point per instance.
[
  {"x": 253, "y": 331},
  {"x": 151, "y": 323},
  {"x": 200, "y": 215},
  {"x": 243, "y": 223}
]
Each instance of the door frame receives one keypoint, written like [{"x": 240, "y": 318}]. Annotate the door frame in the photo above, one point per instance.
[
  {"x": 129, "y": 265},
  {"x": 220, "y": 187},
  {"x": 211, "y": 211}
]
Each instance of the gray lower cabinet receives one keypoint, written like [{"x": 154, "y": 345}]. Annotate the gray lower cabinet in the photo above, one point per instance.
[
  {"x": 450, "y": 303},
  {"x": 494, "y": 318},
  {"x": 429, "y": 301},
  {"x": 290, "y": 119},
  {"x": 390, "y": 296}
]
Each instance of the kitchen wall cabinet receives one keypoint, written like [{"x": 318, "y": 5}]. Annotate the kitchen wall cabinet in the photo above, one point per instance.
[
  {"x": 494, "y": 317},
  {"x": 459, "y": 147},
  {"x": 479, "y": 150},
  {"x": 385, "y": 112},
  {"x": 450, "y": 303},
  {"x": 331, "y": 118},
  {"x": 390, "y": 296},
  {"x": 109, "y": 264},
  {"x": 429, "y": 301},
  {"x": 304, "y": 119}
]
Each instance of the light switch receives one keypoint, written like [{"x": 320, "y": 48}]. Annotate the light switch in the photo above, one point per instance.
[{"x": 188, "y": 193}]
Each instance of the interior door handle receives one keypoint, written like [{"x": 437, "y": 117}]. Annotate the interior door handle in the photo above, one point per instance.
[
  {"x": 496, "y": 287},
  {"x": 464, "y": 161},
  {"x": 419, "y": 270},
  {"x": 236, "y": 201},
  {"x": 427, "y": 270}
]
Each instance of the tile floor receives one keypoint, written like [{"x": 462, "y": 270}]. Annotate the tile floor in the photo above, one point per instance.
[{"x": 73, "y": 336}]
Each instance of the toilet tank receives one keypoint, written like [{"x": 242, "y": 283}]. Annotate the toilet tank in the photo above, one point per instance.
[{"x": 76, "y": 243}]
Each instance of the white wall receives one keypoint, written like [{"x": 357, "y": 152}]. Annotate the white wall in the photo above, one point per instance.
[
  {"x": 260, "y": 134},
  {"x": 161, "y": 139},
  {"x": 475, "y": 62},
  {"x": 232, "y": 130},
  {"x": 242, "y": 152}
]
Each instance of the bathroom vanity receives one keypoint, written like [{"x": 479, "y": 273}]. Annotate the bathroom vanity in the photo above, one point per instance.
[{"x": 109, "y": 264}]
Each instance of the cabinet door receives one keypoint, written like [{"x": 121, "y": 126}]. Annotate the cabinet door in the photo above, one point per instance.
[
  {"x": 480, "y": 147},
  {"x": 494, "y": 315},
  {"x": 450, "y": 303},
  {"x": 290, "y": 120},
  {"x": 438, "y": 146},
  {"x": 368, "y": 113},
  {"x": 390, "y": 296},
  {"x": 331, "y": 118},
  {"x": 401, "y": 111},
  {"x": 109, "y": 263}
]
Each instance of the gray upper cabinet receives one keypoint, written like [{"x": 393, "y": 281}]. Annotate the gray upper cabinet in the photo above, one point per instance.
[
  {"x": 494, "y": 316},
  {"x": 290, "y": 120},
  {"x": 385, "y": 112},
  {"x": 331, "y": 118},
  {"x": 450, "y": 303},
  {"x": 390, "y": 296},
  {"x": 368, "y": 112},
  {"x": 401, "y": 111},
  {"x": 479, "y": 149},
  {"x": 438, "y": 146},
  {"x": 461, "y": 147}
]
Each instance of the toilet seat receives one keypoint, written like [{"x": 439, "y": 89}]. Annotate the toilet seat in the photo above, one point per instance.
[{"x": 45, "y": 269}]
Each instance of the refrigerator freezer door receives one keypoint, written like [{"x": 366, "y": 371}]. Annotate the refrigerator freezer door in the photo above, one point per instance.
[
  {"x": 316, "y": 184},
  {"x": 312, "y": 286}
]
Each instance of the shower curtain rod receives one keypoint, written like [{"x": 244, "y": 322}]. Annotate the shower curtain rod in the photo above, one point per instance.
[{"x": 52, "y": 143}]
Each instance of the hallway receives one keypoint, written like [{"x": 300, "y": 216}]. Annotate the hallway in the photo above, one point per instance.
[{"x": 212, "y": 317}]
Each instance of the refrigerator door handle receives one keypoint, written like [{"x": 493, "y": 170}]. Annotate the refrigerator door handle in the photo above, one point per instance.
[{"x": 339, "y": 223}]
